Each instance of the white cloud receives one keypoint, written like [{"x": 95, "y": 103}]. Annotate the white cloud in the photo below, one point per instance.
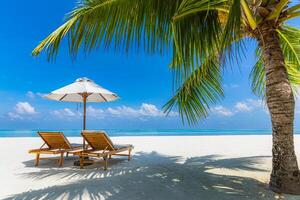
[
  {"x": 145, "y": 110},
  {"x": 250, "y": 105},
  {"x": 14, "y": 116},
  {"x": 115, "y": 111},
  {"x": 242, "y": 107},
  {"x": 150, "y": 110},
  {"x": 66, "y": 112},
  {"x": 222, "y": 111},
  {"x": 94, "y": 112},
  {"x": 247, "y": 105},
  {"x": 40, "y": 94},
  {"x": 123, "y": 111},
  {"x": 259, "y": 104},
  {"x": 20, "y": 110},
  {"x": 256, "y": 102},
  {"x": 24, "y": 108},
  {"x": 30, "y": 94}
]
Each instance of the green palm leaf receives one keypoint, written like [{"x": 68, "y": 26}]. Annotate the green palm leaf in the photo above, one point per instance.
[
  {"x": 188, "y": 49},
  {"x": 200, "y": 87},
  {"x": 257, "y": 76},
  {"x": 258, "y": 73},
  {"x": 198, "y": 91},
  {"x": 290, "y": 44},
  {"x": 119, "y": 23}
]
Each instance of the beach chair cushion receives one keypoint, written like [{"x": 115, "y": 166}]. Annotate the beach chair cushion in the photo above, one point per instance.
[
  {"x": 55, "y": 140},
  {"x": 99, "y": 140},
  {"x": 122, "y": 146}
]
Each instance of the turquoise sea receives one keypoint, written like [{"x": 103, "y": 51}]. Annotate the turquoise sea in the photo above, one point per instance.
[{"x": 140, "y": 132}]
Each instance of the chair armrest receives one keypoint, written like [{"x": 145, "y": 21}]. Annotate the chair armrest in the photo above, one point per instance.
[{"x": 38, "y": 150}]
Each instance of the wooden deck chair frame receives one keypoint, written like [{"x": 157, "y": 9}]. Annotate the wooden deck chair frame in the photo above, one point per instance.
[
  {"x": 54, "y": 147},
  {"x": 100, "y": 146}
]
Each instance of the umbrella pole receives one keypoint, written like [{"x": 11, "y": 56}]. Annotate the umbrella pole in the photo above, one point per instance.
[
  {"x": 84, "y": 116},
  {"x": 84, "y": 112},
  {"x": 86, "y": 161}
]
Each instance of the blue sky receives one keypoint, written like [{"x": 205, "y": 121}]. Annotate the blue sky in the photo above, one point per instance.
[{"x": 143, "y": 82}]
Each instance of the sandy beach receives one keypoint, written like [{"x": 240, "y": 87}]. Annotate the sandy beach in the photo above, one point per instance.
[{"x": 173, "y": 167}]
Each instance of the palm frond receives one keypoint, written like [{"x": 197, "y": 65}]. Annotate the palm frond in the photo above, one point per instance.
[
  {"x": 119, "y": 23},
  {"x": 258, "y": 73},
  {"x": 290, "y": 13},
  {"x": 196, "y": 33},
  {"x": 294, "y": 74},
  {"x": 198, "y": 92},
  {"x": 249, "y": 15},
  {"x": 290, "y": 16},
  {"x": 278, "y": 9},
  {"x": 232, "y": 44},
  {"x": 258, "y": 76},
  {"x": 192, "y": 7},
  {"x": 290, "y": 44},
  {"x": 293, "y": 8},
  {"x": 197, "y": 78}
]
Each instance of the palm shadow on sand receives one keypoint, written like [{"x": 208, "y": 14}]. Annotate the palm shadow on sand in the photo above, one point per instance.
[{"x": 151, "y": 176}]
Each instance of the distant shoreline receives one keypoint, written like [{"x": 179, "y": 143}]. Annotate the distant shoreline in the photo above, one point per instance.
[{"x": 136, "y": 132}]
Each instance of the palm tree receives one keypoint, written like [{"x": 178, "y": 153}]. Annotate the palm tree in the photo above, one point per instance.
[{"x": 204, "y": 36}]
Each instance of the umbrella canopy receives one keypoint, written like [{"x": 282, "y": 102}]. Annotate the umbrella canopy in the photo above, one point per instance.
[
  {"x": 79, "y": 90},
  {"x": 82, "y": 90}
]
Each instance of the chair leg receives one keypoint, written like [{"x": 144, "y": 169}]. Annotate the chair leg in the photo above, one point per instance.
[
  {"x": 109, "y": 156},
  {"x": 105, "y": 162},
  {"x": 129, "y": 154},
  {"x": 67, "y": 154},
  {"x": 81, "y": 158},
  {"x": 37, "y": 160},
  {"x": 61, "y": 160}
]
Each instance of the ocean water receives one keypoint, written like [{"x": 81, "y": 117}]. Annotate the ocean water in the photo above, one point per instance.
[{"x": 140, "y": 132}]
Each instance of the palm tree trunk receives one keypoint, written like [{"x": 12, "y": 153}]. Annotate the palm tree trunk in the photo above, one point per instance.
[{"x": 285, "y": 177}]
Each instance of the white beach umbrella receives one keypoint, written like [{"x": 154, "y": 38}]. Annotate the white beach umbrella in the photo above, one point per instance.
[{"x": 82, "y": 90}]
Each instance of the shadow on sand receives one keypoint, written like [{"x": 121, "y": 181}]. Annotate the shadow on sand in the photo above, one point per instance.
[{"x": 150, "y": 176}]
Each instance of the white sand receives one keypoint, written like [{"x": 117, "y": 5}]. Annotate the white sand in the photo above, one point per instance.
[{"x": 181, "y": 167}]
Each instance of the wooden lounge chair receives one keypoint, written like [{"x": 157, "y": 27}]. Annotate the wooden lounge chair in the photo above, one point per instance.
[
  {"x": 100, "y": 146},
  {"x": 54, "y": 143}
]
